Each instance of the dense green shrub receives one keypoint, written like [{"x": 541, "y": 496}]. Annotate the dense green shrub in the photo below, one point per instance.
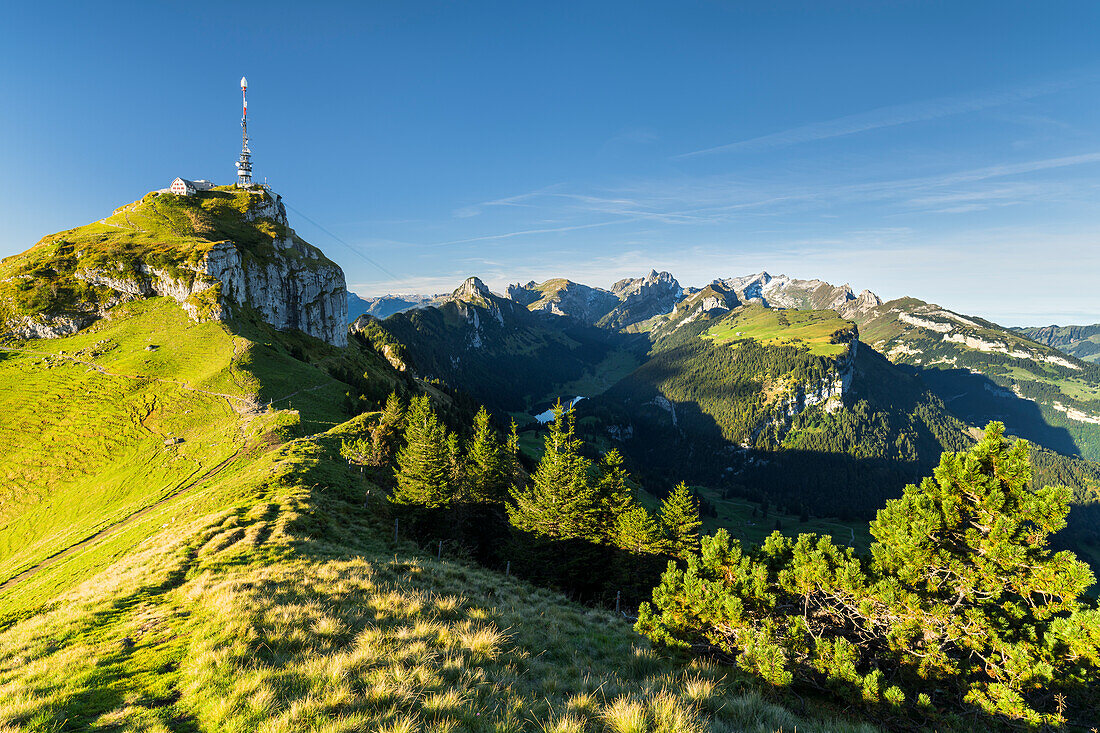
[{"x": 961, "y": 598}]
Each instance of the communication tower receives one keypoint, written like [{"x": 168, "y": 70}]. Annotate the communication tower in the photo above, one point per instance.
[{"x": 244, "y": 165}]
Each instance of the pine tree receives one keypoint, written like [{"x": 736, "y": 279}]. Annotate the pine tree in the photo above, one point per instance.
[
  {"x": 487, "y": 467},
  {"x": 423, "y": 470},
  {"x": 385, "y": 432},
  {"x": 972, "y": 544},
  {"x": 514, "y": 469},
  {"x": 637, "y": 531},
  {"x": 613, "y": 494},
  {"x": 680, "y": 521},
  {"x": 962, "y": 601},
  {"x": 560, "y": 503},
  {"x": 456, "y": 466}
]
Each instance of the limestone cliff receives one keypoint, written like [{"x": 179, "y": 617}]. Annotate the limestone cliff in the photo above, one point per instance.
[{"x": 212, "y": 252}]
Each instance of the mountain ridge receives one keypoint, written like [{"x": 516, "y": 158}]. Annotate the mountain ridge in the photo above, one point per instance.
[{"x": 983, "y": 370}]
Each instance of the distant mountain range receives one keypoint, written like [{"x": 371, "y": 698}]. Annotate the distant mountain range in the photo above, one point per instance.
[
  {"x": 1080, "y": 341},
  {"x": 800, "y": 389},
  {"x": 386, "y": 305}
]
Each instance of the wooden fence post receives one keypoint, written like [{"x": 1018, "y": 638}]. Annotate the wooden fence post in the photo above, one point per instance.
[
  {"x": 618, "y": 593},
  {"x": 439, "y": 554},
  {"x": 395, "y": 520},
  {"x": 508, "y": 570}
]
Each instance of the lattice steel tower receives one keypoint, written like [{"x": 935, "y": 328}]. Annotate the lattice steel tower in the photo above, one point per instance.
[{"x": 244, "y": 165}]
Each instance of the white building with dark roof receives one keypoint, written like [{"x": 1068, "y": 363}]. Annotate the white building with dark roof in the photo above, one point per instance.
[{"x": 184, "y": 187}]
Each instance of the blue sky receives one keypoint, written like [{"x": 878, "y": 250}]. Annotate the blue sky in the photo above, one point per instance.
[{"x": 945, "y": 150}]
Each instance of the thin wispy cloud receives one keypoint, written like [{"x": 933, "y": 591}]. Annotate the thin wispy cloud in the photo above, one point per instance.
[
  {"x": 524, "y": 232},
  {"x": 724, "y": 200},
  {"x": 889, "y": 116}
]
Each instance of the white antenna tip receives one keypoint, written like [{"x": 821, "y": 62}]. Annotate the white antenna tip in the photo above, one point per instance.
[{"x": 244, "y": 83}]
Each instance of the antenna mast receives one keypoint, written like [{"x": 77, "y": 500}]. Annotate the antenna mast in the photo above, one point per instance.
[{"x": 244, "y": 165}]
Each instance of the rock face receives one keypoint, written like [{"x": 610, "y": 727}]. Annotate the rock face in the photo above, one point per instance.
[
  {"x": 786, "y": 292},
  {"x": 288, "y": 282},
  {"x": 297, "y": 288},
  {"x": 525, "y": 294},
  {"x": 643, "y": 298},
  {"x": 796, "y": 397}
]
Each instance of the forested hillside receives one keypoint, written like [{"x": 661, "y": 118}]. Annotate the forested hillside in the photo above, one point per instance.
[
  {"x": 1080, "y": 341},
  {"x": 983, "y": 371},
  {"x": 744, "y": 403},
  {"x": 494, "y": 349}
]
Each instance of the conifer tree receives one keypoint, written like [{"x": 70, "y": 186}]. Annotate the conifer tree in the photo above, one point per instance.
[
  {"x": 613, "y": 494},
  {"x": 680, "y": 521},
  {"x": 637, "y": 531},
  {"x": 423, "y": 470},
  {"x": 456, "y": 466},
  {"x": 385, "y": 433},
  {"x": 561, "y": 502},
  {"x": 486, "y": 463},
  {"x": 962, "y": 600},
  {"x": 515, "y": 470}
]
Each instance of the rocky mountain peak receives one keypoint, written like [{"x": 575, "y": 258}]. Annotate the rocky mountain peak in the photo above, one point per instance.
[
  {"x": 472, "y": 289},
  {"x": 661, "y": 280},
  {"x": 212, "y": 252},
  {"x": 643, "y": 298},
  {"x": 868, "y": 299},
  {"x": 524, "y": 294}
]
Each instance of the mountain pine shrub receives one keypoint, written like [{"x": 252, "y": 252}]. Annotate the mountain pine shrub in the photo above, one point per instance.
[{"x": 961, "y": 599}]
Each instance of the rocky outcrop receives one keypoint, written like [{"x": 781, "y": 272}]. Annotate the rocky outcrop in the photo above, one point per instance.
[
  {"x": 295, "y": 287},
  {"x": 798, "y": 397},
  {"x": 525, "y": 294},
  {"x": 288, "y": 282}
]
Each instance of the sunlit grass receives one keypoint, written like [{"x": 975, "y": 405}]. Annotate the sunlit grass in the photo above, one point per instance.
[
  {"x": 268, "y": 599},
  {"x": 232, "y": 628}
]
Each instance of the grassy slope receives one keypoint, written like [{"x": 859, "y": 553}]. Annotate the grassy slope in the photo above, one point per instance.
[
  {"x": 89, "y": 419},
  {"x": 811, "y": 330},
  {"x": 282, "y": 610},
  {"x": 265, "y": 597},
  {"x": 85, "y": 448}
]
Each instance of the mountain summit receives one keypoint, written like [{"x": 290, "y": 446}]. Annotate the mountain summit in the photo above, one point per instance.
[
  {"x": 785, "y": 292},
  {"x": 215, "y": 252}
]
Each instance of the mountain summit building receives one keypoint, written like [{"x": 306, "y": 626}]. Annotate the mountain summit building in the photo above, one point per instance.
[{"x": 184, "y": 187}]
